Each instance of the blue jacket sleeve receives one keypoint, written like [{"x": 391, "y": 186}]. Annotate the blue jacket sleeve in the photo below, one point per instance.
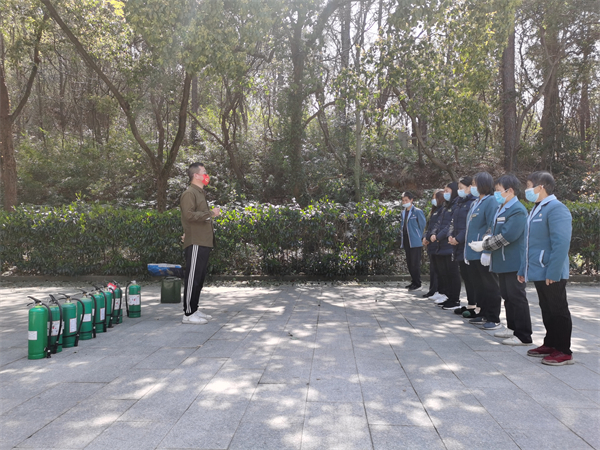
[
  {"x": 515, "y": 226},
  {"x": 422, "y": 221},
  {"x": 560, "y": 230}
]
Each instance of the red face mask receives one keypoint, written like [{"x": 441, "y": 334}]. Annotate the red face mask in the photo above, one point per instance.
[{"x": 205, "y": 179}]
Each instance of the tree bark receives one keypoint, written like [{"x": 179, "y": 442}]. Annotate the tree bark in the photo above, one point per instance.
[
  {"x": 550, "y": 122},
  {"x": 8, "y": 165},
  {"x": 194, "y": 109},
  {"x": 509, "y": 105}
]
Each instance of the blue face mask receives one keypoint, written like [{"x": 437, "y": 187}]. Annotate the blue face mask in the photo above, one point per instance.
[
  {"x": 531, "y": 196},
  {"x": 474, "y": 191},
  {"x": 499, "y": 197},
  {"x": 462, "y": 193},
  {"x": 406, "y": 205},
  {"x": 434, "y": 202},
  {"x": 447, "y": 196}
]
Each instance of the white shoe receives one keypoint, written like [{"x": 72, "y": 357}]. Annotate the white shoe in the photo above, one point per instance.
[
  {"x": 441, "y": 299},
  {"x": 204, "y": 316},
  {"x": 515, "y": 341},
  {"x": 506, "y": 333},
  {"x": 435, "y": 296},
  {"x": 194, "y": 319}
]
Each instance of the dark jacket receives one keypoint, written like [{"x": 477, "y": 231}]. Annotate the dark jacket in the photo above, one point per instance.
[
  {"x": 196, "y": 218},
  {"x": 458, "y": 225},
  {"x": 442, "y": 231},
  {"x": 433, "y": 220}
]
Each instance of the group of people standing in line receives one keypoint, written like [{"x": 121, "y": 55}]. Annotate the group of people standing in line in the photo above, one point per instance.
[{"x": 480, "y": 232}]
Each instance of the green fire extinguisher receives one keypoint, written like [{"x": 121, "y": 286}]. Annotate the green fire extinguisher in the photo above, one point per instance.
[
  {"x": 88, "y": 328},
  {"x": 99, "y": 317},
  {"x": 55, "y": 326},
  {"x": 133, "y": 302},
  {"x": 37, "y": 331},
  {"x": 73, "y": 315},
  {"x": 117, "y": 311}
]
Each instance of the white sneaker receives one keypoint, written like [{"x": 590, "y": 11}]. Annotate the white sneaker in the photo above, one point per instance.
[
  {"x": 506, "y": 333},
  {"x": 435, "y": 296},
  {"x": 441, "y": 299},
  {"x": 204, "y": 316},
  {"x": 515, "y": 341},
  {"x": 194, "y": 319}
]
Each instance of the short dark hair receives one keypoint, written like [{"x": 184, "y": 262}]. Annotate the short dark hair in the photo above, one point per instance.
[
  {"x": 194, "y": 168},
  {"x": 484, "y": 182},
  {"x": 408, "y": 194},
  {"x": 543, "y": 178},
  {"x": 509, "y": 181},
  {"x": 466, "y": 180}
]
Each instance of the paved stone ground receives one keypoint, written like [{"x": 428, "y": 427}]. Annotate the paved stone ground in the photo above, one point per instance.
[{"x": 315, "y": 366}]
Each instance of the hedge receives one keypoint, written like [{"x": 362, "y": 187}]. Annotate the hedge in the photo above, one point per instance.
[{"x": 325, "y": 239}]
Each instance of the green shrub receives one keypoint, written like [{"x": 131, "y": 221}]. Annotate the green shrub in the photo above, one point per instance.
[{"x": 325, "y": 239}]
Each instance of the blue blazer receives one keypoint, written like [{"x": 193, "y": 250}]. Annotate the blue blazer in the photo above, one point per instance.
[
  {"x": 479, "y": 222},
  {"x": 442, "y": 230},
  {"x": 547, "y": 241},
  {"x": 458, "y": 226},
  {"x": 416, "y": 226},
  {"x": 510, "y": 222}
]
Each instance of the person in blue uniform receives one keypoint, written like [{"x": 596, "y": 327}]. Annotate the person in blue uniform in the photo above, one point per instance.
[
  {"x": 546, "y": 263},
  {"x": 412, "y": 226},
  {"x": 507, "y": 244},
  {"x": 458, "y": 228},
  {"x": 485, "y": 283}
]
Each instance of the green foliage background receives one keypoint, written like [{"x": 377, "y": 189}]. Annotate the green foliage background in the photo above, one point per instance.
[{"x": 325, "y": 239}]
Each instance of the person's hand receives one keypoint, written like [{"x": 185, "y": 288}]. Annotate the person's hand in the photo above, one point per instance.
[
  {"x": 452, "y": 240},
  {"x": 549, "y": 282},
  {"x": 521, "y": 278},
  {"x": 476, "y": 246},
  {"x": 433, "y": 238},
  {"x": 425, "y": 241},
  {"x": 485, "y": 259},
  {"x": 216, "y": 212}
]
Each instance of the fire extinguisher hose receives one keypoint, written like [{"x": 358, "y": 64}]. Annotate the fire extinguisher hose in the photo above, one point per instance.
[
  {"x": 127, "y": 298},
  {"x": 60, "y": 321}
]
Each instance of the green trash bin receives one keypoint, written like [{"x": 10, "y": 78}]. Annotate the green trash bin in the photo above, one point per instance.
[{"x": 170, "y": 290}]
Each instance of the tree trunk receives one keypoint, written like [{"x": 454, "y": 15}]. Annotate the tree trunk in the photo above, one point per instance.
[
  {"x": 509, "y": 105},
  {"x": 550, "y": 122},
  {"x": 357, "y": 159},
  {"x": 344, "y": 129},
  {"x": 584, "y": 105},
  {"x": 194, "y": 109}
]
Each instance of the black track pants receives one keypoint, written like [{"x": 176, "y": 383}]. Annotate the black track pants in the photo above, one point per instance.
[
  {"x": 196, "y": 265},
  {"x": 555, "y": 314}
]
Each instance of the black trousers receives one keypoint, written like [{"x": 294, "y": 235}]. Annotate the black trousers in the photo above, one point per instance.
[
  {"x": 467, "y": 279},
  {"x": 433, "y": 278},
  {"x": 448, "y": 277},
  {"x": 555, "y": 314},
  {"x": 487, "y": 292},
  {"x": 413, "y": 261},
  {"x": 196, "y": 267},
  {"x": 518, "y": 318}
]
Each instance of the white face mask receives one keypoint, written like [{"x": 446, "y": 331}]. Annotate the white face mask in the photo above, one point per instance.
[{"x": 406, "y": 205}]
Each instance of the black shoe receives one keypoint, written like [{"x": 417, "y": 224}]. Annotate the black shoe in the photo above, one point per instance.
[
  {"x": 470, "y": 314},
  {"x": 459, "y": 311},
  {"x": 429, "y": 294},
  {"x": 450, "y": 305},
  {"x": 410, "y": 286},
  {"x": 414, "y": 288}
]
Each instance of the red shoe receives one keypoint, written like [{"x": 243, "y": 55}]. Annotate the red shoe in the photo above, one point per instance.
[
  {"x": 541, "y": 351},
  {"x": 558, "y": 358}
]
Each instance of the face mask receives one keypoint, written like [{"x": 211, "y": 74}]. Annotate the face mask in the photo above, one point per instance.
[
  {"x": 462, "y": 193},
  {"x": 205, "y": 179},
  {"x": 447, "y": 196},
  {"x": 531, "y": 196},
  {"x": 434, "y": 202},
  {"x": 406, "y": 205},
  {"x": 474, "y": 191},
  {"x": 499, "y": 197}
]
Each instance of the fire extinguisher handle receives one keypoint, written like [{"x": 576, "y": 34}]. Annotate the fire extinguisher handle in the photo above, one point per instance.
[{"x": 127, "y": 298}]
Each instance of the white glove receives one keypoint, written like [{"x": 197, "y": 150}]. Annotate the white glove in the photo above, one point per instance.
[
  {"x": 476, "y": 246},
  {"x": 485, "y": 259}
]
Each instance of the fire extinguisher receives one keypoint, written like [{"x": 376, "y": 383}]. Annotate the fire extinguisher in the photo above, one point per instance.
[
  {"x": 109, "y": 303},
  {"x": 133, "y": 303},
  {"x": 56, "y": 326},
  {"x": 37, "y": 331},
  {"x": 117, "y": 310},
  {"x": 73, "y": 315},
  {"x": 88, "y": 328},
  {"x": 100, "y": 317}
]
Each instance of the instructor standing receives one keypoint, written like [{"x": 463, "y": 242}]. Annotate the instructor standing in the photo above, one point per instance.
[{"x": 198, "y": 241}]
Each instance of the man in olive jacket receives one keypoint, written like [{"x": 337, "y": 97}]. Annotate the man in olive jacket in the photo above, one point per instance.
[{"x": 198, "y": 241}]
